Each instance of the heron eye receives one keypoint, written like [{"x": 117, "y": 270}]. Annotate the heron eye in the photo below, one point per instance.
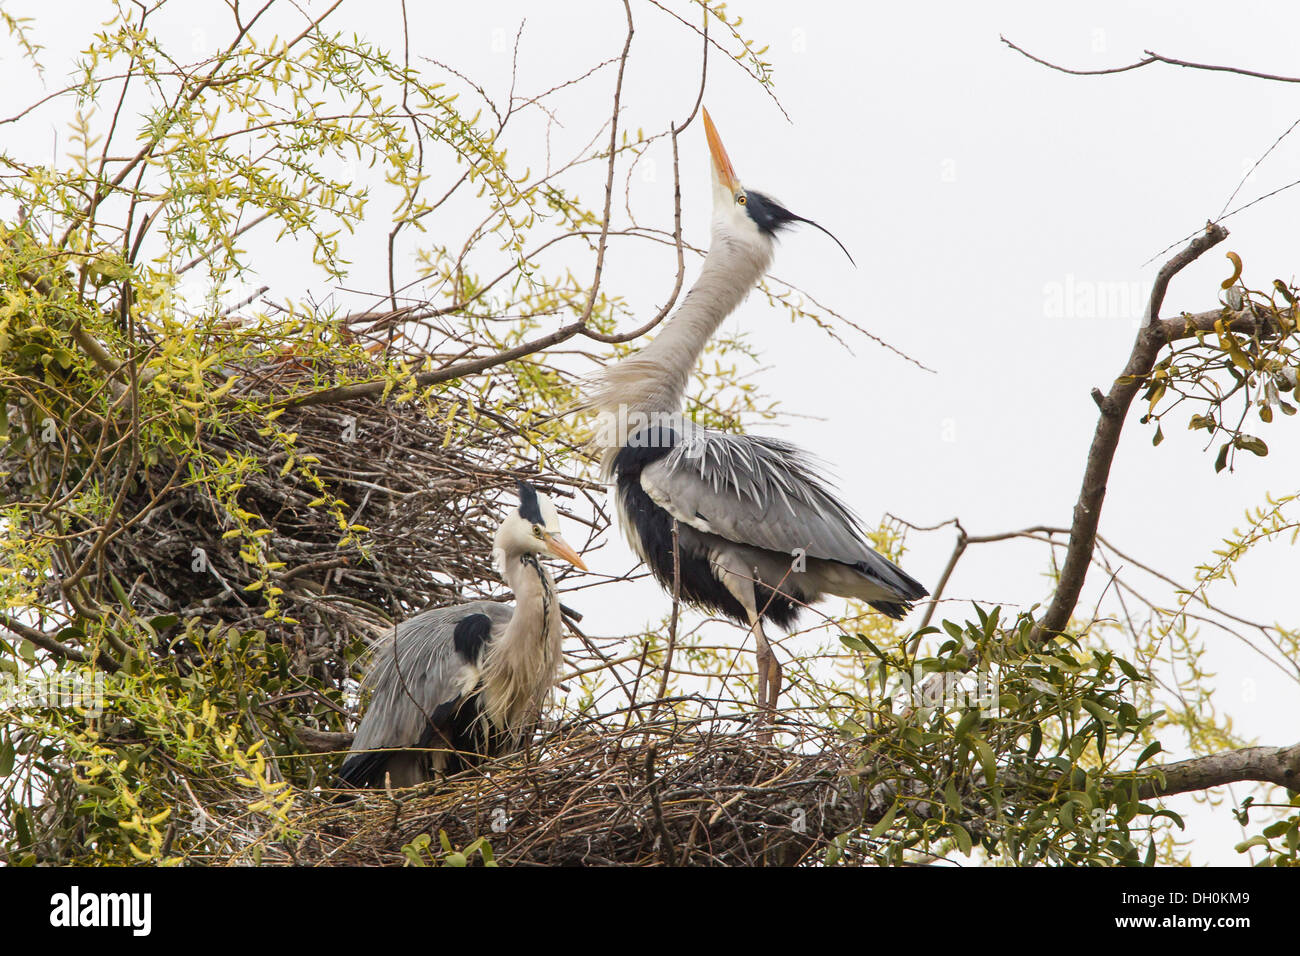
[
  {"x": 742, "y": 199},
  {"x": 537, "y": 531}
]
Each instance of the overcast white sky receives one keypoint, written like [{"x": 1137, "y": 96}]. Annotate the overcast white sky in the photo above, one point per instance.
[{"x": 974, "y": 188}]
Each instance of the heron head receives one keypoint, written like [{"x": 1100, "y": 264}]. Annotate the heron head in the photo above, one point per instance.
[
  {"x": 534, "y": 528},
  {"x": 748, "y": 213}
]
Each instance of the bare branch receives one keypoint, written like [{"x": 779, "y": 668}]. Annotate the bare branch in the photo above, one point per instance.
[
  {"x": 1276, "y": 765},
  {"x": 1149, "y": 57},
  {"x": 1110, "y": 424}
]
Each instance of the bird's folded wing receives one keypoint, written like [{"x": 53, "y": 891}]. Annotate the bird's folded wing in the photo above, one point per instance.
[
  {"x": 417, "y": 668},
  {"x": 754, "y": 491}
]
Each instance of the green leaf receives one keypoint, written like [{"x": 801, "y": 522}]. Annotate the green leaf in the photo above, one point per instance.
[
  {"x": 1151, "y": 750},
  {"x": 951, "y": 797},
  {"x": 867, "y": 645},
  {"x": 1067, "y": 815},
  {"x": 962, "y": 837},
  {"x": 833, "y": 853},
  {"x": 1162, "y": 812},
  {"x": 21, "y": 827},
  {"x": 987, "y": 760},
  {"x": 1035, "y": 741},
  {"x": 1103, "y": 716},
  {"x": 885, "y": 822}
]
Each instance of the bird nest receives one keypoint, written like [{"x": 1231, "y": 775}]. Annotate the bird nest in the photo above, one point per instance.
[
  {"x": 423, "y": 477},
  {"x": 679, "y": 788},
  {"x": 654, "y": 794}
]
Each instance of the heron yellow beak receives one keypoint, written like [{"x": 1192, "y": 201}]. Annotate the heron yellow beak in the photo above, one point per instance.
[
  {"x": 560, "y": 548},
  {"x": 721, "y": 162}
]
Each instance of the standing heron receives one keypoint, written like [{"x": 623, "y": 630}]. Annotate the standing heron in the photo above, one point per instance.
[
  {"x": 456, "y": 684},
  {"x": 759, "y": 534}
]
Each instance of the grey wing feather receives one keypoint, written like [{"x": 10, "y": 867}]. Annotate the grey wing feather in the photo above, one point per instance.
[
  {"x": 762, "y": 492},
  {"x": 406, "y": 685}
]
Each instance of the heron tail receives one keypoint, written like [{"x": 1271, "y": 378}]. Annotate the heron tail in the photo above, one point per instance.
[
  {"x": 360, "y": 768},
  {"x": 896, "y": 611},
  {"x": 882, "y": 572}
]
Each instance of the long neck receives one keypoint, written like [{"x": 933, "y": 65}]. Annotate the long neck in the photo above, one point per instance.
[
  {"x": 654, "y": 379},
  {"x": 521, "y": 666}
]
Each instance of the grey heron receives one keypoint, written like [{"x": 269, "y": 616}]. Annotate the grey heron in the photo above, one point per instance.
[
  {"x": 453, "y": 685},
  {"x": 760, "y": 534}
]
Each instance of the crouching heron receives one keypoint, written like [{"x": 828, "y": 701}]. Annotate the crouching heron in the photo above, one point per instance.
[
  {"x": 760, "y": 534},
  {"x": 454, "y": 685}
]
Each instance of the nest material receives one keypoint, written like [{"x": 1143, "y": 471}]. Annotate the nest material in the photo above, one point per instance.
[
  {"x": 424, "y": 505},
  {"x": 428, "y": 500},
  {"x": 651, "y": 795}
]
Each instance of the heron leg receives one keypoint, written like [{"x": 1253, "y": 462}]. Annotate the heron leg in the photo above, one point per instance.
[
  {"x": 774, "y": 679},
  {"x": 739, "y": 580},
  {"x": 763, "y": 651},
  {"x": 769, "y": 678},
  {"x": 772, "y": 672}
]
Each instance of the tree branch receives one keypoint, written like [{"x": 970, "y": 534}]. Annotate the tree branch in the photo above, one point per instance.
[
  {"x": 1276, "y": 765},
  {"x": 1149, "y": 57},
  {"x": 57, "y": 648},
  {"x": 1244, "y": 322},
  {"x": 322, "y": 741},
  {"x": 1110, "y": 424},
  {"x": 343, "y": 393}
]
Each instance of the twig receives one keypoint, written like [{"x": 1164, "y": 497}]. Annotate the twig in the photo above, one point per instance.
[
  {"x": 1149, "y": 57},
  {"x": 1087, "y": 511}
]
